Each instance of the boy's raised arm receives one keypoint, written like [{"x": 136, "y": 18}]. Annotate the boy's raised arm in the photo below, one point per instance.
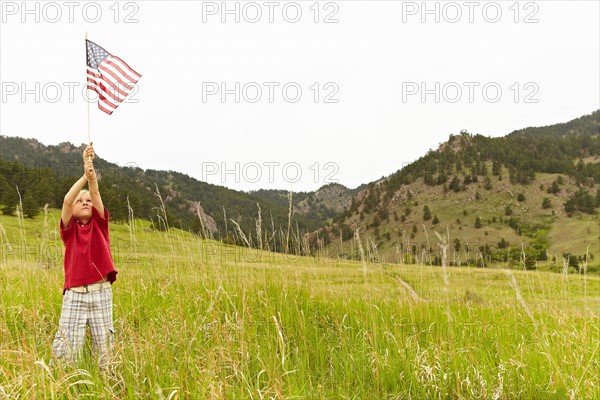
[
  {"x": 90, "y": 174},
  {"x": 67, "y": 208}
]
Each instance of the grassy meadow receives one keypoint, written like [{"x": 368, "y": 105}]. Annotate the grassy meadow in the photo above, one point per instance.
[{"x": 198, "y": 319}]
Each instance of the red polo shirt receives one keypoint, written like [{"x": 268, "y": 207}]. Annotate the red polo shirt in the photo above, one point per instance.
[{"x": 87, "y": 251}]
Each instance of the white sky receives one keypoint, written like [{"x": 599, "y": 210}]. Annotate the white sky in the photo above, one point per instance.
[{"x": 374, "y": 55}]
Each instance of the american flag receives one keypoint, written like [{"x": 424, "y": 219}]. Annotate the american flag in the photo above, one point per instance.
[{"x": 109, "y": 76}]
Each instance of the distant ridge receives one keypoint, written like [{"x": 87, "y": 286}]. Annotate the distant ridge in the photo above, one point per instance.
[{"x": 534, "y": 192}]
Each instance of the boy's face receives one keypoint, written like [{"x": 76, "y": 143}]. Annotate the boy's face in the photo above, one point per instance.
[{"x": 82, "y": 208}]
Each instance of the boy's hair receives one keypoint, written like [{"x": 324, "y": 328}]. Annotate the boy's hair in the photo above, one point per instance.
[{"x": 82, "y": 191}]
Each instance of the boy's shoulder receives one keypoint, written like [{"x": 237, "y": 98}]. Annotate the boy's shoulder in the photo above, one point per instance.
[
  {"x": 96, "y": 214},
  {"x": 102, "y": 222}
]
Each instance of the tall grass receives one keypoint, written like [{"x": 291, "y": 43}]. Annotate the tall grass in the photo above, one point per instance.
[{"x": 196, "y": 318}]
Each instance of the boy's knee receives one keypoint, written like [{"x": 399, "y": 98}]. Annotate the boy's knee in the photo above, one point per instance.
[{"x": 64, "y": 353}]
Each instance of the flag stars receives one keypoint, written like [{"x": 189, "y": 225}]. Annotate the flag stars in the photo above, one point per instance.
[{"x": 96, "y": 54}]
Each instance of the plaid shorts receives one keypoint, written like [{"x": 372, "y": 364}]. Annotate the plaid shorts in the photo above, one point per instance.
[{"x": 78, "y": 311}]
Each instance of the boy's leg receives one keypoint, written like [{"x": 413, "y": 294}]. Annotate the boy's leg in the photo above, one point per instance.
[
  {"x": 68, "y": 341},
  {"x": 101, "y": 325}
]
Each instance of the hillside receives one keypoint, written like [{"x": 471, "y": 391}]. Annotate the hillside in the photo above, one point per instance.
[
  {"x": 529, "y": 198},
  {"x": 43, "y": 175},
  {"x": 322, "y": 204}
]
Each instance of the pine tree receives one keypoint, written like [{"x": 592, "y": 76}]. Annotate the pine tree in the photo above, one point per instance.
[
  {"x": 30, "y": 209},
  {"x": 546, "y": 203},
  {"x": 502, "y": 244},
  {"x": 457, "y": 244},
  {"x": 554, "y": 188},
  {"x": 487, "y": 183},
  {"x": 496, "y": 168},
  {"x": 10, "y": 201},
  {"x": 426, "y": 213},
  {"x": 455, "y": 184}
]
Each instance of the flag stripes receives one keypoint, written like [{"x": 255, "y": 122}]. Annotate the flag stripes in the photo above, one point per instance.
[{"x": 109, "y": 76}]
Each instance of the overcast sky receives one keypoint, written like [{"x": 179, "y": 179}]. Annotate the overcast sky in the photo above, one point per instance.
[{"x": 295, "y": 95}]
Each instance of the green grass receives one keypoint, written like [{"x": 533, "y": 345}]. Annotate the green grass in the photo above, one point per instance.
[{"x": 198, "y": 319}]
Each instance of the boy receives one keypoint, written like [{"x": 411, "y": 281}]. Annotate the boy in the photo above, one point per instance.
[{"x": 89, "y": 270}]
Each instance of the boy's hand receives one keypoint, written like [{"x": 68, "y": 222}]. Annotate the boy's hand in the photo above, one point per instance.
[
  {"x": 88, "y": 153},
  {"x": 90, "y": 173}
]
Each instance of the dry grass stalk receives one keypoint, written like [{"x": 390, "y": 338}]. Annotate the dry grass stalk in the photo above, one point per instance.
[
  {"x": 199, "y": 214},
  {"x": 164, "y": 219},
  {"x": 584, "y": 265},
  {"x": 162, "y": 207},
  {"x": 520, "y": 299},
  {"x": 411, "y": 291},
  {"x": 46, "y": 226},
  {"x": 21, "y": 219},
  {"x": 241, "y": 233},
  {"x": 280, "y": 341},
  {"x": 426, "y": 252},
  {"x": 586, "y": 369},
  {"x": 305, "y": 245},
  {"x": 361, "y": 251},
  {"x": 273, "y": 231},
  {"x": 225, "y": 219},
  {"x": 565, "y": 269},
  {"x": 372, "y": 250},
  {"x": 298, "y": 240},
  {"x": 399, "y": 258},
  {"x": 131, "y": 222},
  {"x": 482, "y": 258},
  {"x": 287, "y": 238},
  {"x": 445, "y": 242},
  {"x": 259, "y": 228}
]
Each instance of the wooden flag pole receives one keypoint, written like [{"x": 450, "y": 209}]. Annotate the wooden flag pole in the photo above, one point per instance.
[{"x": 87, "y": 99}]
